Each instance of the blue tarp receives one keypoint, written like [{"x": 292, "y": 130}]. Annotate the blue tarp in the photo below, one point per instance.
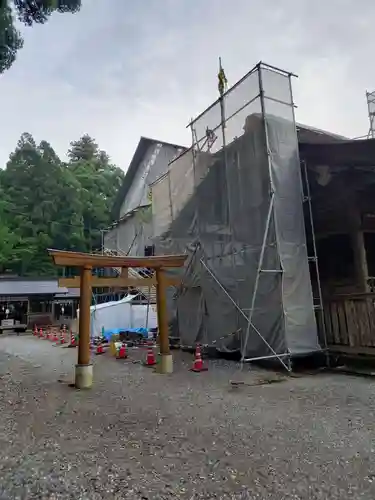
[{"x": 140, "y": 331}]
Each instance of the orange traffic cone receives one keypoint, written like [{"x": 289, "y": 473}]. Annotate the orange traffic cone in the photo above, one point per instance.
[
  {"x": 150, "y": 358},
  {"x": 198, "y": 363},
  {"x": 55, "y": 337},
  {"x": 41, "y": 333},
  {"x": 72, "y": 339},
  {"x": 35, "y": 332},
  {"x": 99, "y": 349},
  {"x": 122, "y": 354},
  {"x": 48, "y": 333},
  {"x": 62, "y": 337}
]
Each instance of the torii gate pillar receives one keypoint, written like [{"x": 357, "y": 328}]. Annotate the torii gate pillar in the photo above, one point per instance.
[
  {"x": 84, "y": 367},
  {"x": 166, "y": 363}
]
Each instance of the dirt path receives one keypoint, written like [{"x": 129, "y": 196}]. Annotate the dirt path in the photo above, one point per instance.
[{"x": 139, "y": 435}]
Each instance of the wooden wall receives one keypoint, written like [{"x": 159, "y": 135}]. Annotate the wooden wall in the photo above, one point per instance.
[
  {"x": 350, "y": 321},
  {"x": 346, "y": 205}
]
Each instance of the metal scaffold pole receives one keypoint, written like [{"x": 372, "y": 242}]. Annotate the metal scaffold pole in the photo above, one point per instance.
[
  {"x": 260, "y": 269},
  {"x": 255, "y": 292},
  {"x": 314, "y": 257},
  {"x": 370, "y": 97},
  {"x": 222, "y": 86}
]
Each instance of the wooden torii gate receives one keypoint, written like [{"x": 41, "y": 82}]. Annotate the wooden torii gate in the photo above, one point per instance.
[{"x": 86, "y": 263}]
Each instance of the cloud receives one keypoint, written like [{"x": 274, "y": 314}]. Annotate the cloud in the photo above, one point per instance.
[{"x": 119, "y": 70}]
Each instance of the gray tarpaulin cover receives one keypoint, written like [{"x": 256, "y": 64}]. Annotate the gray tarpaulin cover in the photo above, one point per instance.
[{"x": 214, "y": 204}]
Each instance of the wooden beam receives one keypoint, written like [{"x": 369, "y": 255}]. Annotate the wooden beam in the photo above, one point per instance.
[
  {"x": 83, "y": 369},
  {"x": 78, "y": 259},
  {"x": 108, "y": 282},
  {"x": 84, "y": 317},
  {"x": 161, "y": 300},
  {"x": 118, "y": 282}
]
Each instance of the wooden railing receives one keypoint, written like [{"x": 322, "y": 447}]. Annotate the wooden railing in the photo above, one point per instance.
[{"x": 350, "y": 321}]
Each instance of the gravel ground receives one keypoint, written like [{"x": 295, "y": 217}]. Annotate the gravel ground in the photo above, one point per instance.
[{"x": 140, "y": 435}]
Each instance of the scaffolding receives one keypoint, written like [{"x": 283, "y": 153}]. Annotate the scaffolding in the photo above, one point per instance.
[
  {"x": 234, "y": 202},
  {"x": 370, "y": 97}
]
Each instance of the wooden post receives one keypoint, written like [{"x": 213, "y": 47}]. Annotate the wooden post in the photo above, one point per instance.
[
  {"x": 360, "y": 257},
  {"x": 83, "y": 379},
  {"x": 53, "y": 315},
  {"x": 361, "y": 261},
  {"x": 166, "y": 364}
]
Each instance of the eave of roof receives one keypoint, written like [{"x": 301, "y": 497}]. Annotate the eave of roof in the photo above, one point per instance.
[
  {"x": 351, "y": 153},
  {"x": 320, "y": 132},
  {"x": 16, "y": 286},
  {"x": 139, "y": 153}
]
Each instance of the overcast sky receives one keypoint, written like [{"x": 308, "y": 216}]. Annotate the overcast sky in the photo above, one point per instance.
[{"x": 120, "y": 69}]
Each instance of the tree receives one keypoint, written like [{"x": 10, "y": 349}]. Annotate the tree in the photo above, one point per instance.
[
  {"x": 43, "y": 207},
  {"x": 85, "y": 149},
  {"x": 10, "y": 39},
  {"x": 45, "y": 202},
  {"x": 27, "y": 12},
  {"x": 7, "y": 238},
  {"x": 99, "y": 181}
]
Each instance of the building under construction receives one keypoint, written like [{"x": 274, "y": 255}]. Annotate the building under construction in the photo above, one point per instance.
[{"x": 277, "y": 220}]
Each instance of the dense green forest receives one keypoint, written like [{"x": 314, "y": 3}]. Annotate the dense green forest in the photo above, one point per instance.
[{"x": 46, "y": 202}]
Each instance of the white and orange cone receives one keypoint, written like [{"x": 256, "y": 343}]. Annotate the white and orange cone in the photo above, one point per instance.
[
  {"x": 198, "y": 365},
  {"x": 150, "y": 358},
  {"x": 72, "y": 339},
  {"x": 122, "y": 354},
  {"x": 55, "y": 337},
  {"x": 47, "y": 334},
  {"x": 99, "y": 349}
]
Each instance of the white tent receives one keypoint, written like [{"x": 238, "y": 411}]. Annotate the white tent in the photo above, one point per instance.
[{"x": 122, "y": 315}]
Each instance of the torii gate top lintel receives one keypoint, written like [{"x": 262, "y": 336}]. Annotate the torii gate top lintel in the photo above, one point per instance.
[{"x": 80, "y": 259}]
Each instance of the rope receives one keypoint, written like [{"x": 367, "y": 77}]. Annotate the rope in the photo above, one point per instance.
[{"x": 214, "y": 341}]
